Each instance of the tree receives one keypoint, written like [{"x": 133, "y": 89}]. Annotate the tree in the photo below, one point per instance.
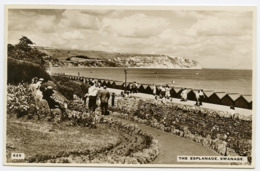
[
  {"x": 23, "y": 51},
  {"x": 25, "y": 43}
]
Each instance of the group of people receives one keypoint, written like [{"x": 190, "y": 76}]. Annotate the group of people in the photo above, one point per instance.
[
  {"x": 133, "y": 87},
  {"x": 46, "y": 93},
  {"x": 162, "y": 92},
  {"x": 97, "y": 96},
  {"x": 199, "y": 96}
]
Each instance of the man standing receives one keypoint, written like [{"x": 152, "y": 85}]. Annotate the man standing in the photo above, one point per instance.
[
  {"x": 104, "y": 97},
  {"x": 199, "y": 97},
  {"x": 92, "y": 93}
]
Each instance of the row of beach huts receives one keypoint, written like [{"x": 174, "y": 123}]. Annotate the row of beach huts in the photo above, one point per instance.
[{"x": 221, "y": 98}]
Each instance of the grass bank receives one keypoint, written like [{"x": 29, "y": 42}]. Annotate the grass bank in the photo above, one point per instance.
[{"x": 41, "y": 141}]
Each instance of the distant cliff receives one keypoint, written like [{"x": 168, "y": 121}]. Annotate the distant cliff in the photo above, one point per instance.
[
  {"x": 159, "y": 61},
  {"x": 77, "y": 58}
]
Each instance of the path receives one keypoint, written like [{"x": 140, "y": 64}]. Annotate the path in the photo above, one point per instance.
[
  {"x": 171, "y": 146},
  {"x": 189, "y": 102}
]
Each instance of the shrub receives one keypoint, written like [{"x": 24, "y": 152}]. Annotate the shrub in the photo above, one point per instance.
[
  {"x": 61, "y": 80},
  {"x": 66, "y": 91},
  {"x": 23, "y": 71},
  {"x": 20, "y": 101},
  {"x": 80, "y": 89}
]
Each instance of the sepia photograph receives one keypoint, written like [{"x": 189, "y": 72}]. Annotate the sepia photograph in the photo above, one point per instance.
[{"x": 130, "y": 86}]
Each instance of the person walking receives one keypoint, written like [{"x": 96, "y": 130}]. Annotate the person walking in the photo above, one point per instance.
[
  {"x": 199, "y": 97},
  {"x": 167, "y": 92},
  {"x": 134, "y": 87},
  {"x": 131, "y": 88},
  {"x": 159, "y": 91},
  {"x": 104, "y": 97},
  {"x": 163, "y": 92},
  {"x": 184, "y": 95},
  {"x": 92, "y": 94},
  {"x": 154, "y": 90}
]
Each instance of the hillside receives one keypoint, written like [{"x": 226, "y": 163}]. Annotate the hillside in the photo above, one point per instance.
[{"x": 76, "y": 58}]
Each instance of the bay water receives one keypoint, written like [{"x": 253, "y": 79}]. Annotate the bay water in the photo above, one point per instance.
[{"x": 218, "y": 80}]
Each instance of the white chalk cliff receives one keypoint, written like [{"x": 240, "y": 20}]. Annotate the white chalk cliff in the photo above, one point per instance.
[{"x": 160, "y": 61}]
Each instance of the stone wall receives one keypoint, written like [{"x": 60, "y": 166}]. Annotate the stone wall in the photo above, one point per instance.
[{"x": 228, "y": 135}]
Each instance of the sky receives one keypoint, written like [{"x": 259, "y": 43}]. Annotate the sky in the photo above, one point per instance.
[{"x": 216, "y": 39}]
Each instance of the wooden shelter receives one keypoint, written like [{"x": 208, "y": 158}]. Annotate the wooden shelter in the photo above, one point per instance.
[
  {"x": 244, "y": 102},
  {"x": 117, "y": 84},
  {"x": 216, "y": 97},
  {"x": 173, "y": 93},
  {"x": 229, "y": 99},
  {"x": 141, "y": 88},
  {"x": 149, "y": 89},
  {"x": 109, "y": 84},
  {"x": 178, "y": 91},
  {"x": 192, "y": 95}
]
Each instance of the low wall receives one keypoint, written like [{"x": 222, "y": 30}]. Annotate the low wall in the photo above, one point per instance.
[
  {"x": 221, "y": 98},
  {"x": 228, "y": 135}
]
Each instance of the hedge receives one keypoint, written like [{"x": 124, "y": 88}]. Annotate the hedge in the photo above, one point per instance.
[{"x": 23, "y": 71}]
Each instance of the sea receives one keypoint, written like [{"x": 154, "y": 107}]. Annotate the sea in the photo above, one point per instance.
[{"x": 217, "y": 80}]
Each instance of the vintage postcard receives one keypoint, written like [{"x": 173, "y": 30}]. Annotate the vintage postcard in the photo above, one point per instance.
[{"x": 130, "y": 86}]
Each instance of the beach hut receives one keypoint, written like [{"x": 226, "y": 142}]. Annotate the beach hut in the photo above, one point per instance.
[
  {"x": 173, "y": 93},
  {"x": 178, "y": 91},
  {"x": 127, "y": 86},
  {"x": 141, "y": 88},
  {"x": 113, "y": 84},
  {"x": 216, "y": 97},
  {"x": 229, "y": 99},
  {"x": 207, "y": 94},
  {"x": 149, "y": 89},
  {"x": 109, "y": 84},
  {"x": 117, "y": 84},
  {"x": 244, "y": 101},
  {"x": 192, "y": 95},
  {"x": 104, "y": 83},
  {"x": 249, "y": 99}
]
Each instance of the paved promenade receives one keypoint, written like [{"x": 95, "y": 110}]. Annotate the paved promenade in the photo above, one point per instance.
[
  {"x": 171, "y": 146},
  {"x": 189, "y": 102}
]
